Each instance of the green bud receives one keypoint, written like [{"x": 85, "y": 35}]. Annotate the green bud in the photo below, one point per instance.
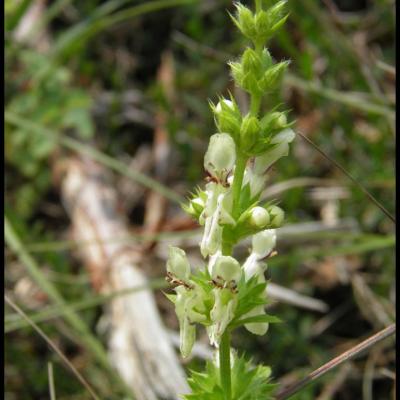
[
  {"x": 220, "y": 156},
  {"x": 237, "y": 72},
  {"x": 275, "y": 14},
  {"x": 250, "y": 84},
  {"x": 259, "y": 217},
  {"x": 273, "y": 75},
  {"x": 251, "y": 63},
  {"x": 279, "y": 23},
  {"x": 178, "y": 264},
  {"x": 249, "y": 132},
  {"x": 277, "y": 216},
  {"x": 263, "y": 26},
  {"x": 273, "y": 121},
  {"x": 266, "y": 60},
  {"x": 245, "y": 21},
  {"x": 228, "y": 117}
]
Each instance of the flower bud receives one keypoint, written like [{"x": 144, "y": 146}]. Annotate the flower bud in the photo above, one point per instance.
[
  {"x": 220, "y": 156},
  {"x": 226, "y": 269},
  {"x": 263, "y": 243},
  {"x": 228, "y": 117},
  {"x": 277, "y": 216},
  {"x": 251, "y": 63},
  {"x": 178, "y": 264},
  {"x": 262, "y": 25},
  {"x": 224, "y": 103},
  {"x": 280, "y": 149},
  {"x": 237, "y": 72},
  {"x": 273, "y": 75},
  {"x": 275, "y": 13},
  {"x": 249, "y": 132},
  {"x": 273, "y": 121},
  {"x": 259, "y": 217},
  {"x": 245, "y": 21}
]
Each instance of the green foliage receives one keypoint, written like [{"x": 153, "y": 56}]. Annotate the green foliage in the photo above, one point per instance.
[
  {"x": 56, "y": 104},
  {"x": 249, "y": 382}
]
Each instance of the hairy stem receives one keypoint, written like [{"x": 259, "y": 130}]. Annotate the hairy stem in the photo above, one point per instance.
[
  {"x": 255, "y": 105},
  {"x": 225, "y": 365},
  {"x": 241, "y": 162}
]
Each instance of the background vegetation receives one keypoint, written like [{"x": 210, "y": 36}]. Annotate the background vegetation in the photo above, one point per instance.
[{"x": 87, "y": 72}]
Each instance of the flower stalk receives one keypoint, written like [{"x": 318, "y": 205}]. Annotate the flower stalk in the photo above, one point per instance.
[
  {"x": 225, "y": 365},
  {"x": 226, "y": 293}
]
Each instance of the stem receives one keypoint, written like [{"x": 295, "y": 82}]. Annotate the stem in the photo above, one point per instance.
[
  {"x": 227, "y": 249},
  {"x": 225, "y": 365},
  {"x": 241, "y": 162},
  {"x": 255, "y": 105}
]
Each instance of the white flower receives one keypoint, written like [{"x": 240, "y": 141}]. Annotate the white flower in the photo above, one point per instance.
[
  {"x": 226, "y": 270},
  {"x": 258, "y": 328},
  {"x": 216, "y": 213},
  {"x": 220, "y": 156},
  {"x": 281, "y": 148},
  {"x": 187, "y": 300},
  {"x": 255, "y": 181},
  {"x": 263, "y": 243},
  {"x": 253, "y": 267},
  {"x": 221, "y": 314},
  {"x": 212, "y": 237},
  {"x": 178, "y": 264}
]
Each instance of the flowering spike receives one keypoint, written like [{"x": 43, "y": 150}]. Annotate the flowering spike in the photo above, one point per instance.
[{"x": 225, "y": 294}]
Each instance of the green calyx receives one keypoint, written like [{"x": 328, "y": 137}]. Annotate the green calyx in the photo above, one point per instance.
[{"x": 261, "y": 25}]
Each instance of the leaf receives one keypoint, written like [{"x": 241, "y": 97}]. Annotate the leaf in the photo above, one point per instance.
[{"x": 251, "y": 294}]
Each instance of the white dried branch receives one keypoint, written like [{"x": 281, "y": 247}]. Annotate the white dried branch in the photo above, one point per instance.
[{"x": 139, "y": 345}]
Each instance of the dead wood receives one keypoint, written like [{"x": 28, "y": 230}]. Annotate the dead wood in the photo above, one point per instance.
[{"x": 139, "y": 346}]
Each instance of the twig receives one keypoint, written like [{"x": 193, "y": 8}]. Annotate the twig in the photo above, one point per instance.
[
  {"x": 53, "y": 346},
  {"x": 360, "y": 186},
  {"x": 346, "y": 356}
]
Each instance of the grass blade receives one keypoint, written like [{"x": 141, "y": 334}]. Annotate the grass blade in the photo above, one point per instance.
[
  {"x": 96, "y": 155},
  {"x": 91, "y": 343},
  {"x": 358, "y": 184},
  {"x": 53, "y": 346},
  {"x": 52, "y": 389}
]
